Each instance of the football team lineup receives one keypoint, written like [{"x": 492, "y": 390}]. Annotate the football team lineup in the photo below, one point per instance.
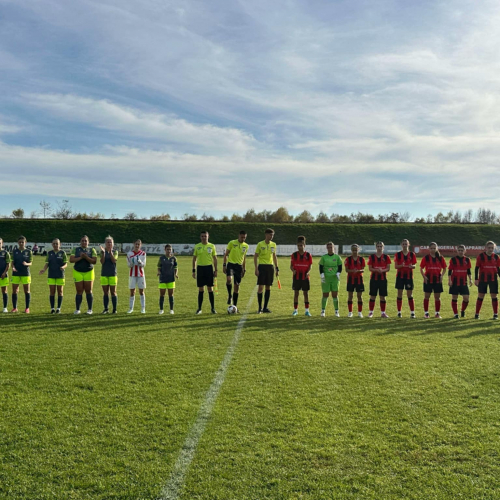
[{"x": 205, "y": 270}]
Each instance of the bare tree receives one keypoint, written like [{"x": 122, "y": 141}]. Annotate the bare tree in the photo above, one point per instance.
[
  {"x": 63, "y": 211},
  {"x": 46, "y": 208},
  {"x": 130, "y": 216},
  {"x": 33, "y": 214},
  {"x": 404, "y": 216},
  {"x": 189, "y": 217}
]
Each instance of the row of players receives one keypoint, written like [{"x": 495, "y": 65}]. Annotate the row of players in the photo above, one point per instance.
[{"x": 432, "y": 267}]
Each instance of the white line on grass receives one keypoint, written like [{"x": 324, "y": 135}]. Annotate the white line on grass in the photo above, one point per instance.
[{"x": 174, "y": 485}]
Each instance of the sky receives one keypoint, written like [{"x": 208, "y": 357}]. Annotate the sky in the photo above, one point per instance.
[{"x": 166, "y": 106}]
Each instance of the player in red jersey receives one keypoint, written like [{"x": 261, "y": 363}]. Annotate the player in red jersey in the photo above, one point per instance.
[
  {"x": 379, "y": 265},
  {"x": 459, "y": 273},
  {"x": 355, "y": 267},
  {"x": 432, "y": 269},
  {"x": 405, "y": 262},
  {"x": 300, "y": 265},
  {"x": 486, "y": 277}
]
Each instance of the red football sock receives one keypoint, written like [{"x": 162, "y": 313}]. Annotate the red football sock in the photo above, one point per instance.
[
  {"x": 437, "y": 303},
  {"x": 494, "y": 302},
  {"x": 295, "y": 305},
  {"x": 479, "y": 304},
  {"x": 349, "y": 306},
  {"x": 306, "y": 304},
  {"x": 382, "y": 305},
  {"x": 399, "y": 303},
  {"x": 464, "y": 305},
  {"x": 372, "y": 305},
  {"x": 454, "y": 306},
  {"x": 426, "y": 305},
  {"x": 360, "y": 306},
  {"x": 411, "y": 303}
]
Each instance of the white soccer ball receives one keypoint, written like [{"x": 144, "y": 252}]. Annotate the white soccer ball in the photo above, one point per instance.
[{"x": 232, "y": 310}]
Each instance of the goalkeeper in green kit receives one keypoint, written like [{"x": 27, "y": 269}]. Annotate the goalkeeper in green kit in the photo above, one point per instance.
[{"x": 330, "y": 267}]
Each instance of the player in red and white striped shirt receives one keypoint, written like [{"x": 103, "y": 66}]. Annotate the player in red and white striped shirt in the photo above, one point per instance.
[{"x": 136, "y": 260}]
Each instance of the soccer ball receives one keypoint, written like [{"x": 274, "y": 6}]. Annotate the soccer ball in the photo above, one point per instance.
[{"x": 232, "y": 310}]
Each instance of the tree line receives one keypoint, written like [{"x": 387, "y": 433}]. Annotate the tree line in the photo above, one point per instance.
[{"x": 63, "y": 210}]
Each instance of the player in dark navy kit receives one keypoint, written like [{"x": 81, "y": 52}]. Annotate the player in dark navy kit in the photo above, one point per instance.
[
  {"x": 432, "y": 269},
  {"x": 5, "y": 261},
  {"x": 167, "y": 274},
  {"x": 459, "y": 280},
  {"x": 22, "y": 259},
  {"x": 56, "y": 262},
  {"x": 405, "y": 262},
  {"x": 486, "y": 278}
]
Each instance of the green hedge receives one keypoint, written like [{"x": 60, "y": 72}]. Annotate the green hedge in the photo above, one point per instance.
[{"x": 222, "y": 232}]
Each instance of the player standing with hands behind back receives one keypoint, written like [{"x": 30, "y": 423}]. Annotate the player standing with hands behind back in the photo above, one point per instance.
[
  {"x": 300, "y": 265},
  {"x": 205, "y": 270},
  {"x": 167, "y": 273},
  {"x": 263, "y": 259}
]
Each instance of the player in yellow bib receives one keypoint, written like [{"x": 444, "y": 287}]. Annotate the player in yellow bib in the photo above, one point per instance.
[
  {"x": 234, "y": 266},
  {"x": 264, "y": 258},
  {"x": 205, "y": 270}
]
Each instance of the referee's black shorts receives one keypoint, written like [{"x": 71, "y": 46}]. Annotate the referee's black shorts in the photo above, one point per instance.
[
  {"x": 266, "y": 274},
  {"x": 235, "y": 270},
  {"x": 204, "y": 276}
]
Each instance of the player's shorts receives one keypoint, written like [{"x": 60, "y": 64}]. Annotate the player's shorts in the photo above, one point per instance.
[
  {"x": 378, "y": 287},
  {"x": 166, "y": 286},
  {"x": 459, "y": 290},
  {"x": 136, "y": 282},
  {"x": 266, "y": 274},
  {"x": 79, "y": 277},
  {"x": 4, "y": 281},
  {"x": 109, "y": 280},
  {"x": 20, "y": 280},
  {"x": 355, "y": 287},
  {"x": 330, "y": 286},
  {"x": 236, "y": 271},
  {"x": 484, "y": 285},
  {"x": 204, "y": 276},
  {"x": 56, "y": 281},
  {"x": 304, "y": 285},
  {"x": 433, "y": 287},
  {"x": 404, "y": 283}
]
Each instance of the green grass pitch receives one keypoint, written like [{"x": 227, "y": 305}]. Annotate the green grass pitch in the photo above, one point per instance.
[{"x": 98, "y": 407}]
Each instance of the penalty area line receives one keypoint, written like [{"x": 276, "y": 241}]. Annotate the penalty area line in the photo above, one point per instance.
[{"x": 172, "y": 489}]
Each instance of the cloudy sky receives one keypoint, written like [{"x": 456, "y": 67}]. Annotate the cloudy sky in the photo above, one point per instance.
[{"x": 193, "y": 106}]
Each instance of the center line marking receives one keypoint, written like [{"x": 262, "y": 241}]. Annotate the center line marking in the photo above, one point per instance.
[{"x": 174, "y": 485}]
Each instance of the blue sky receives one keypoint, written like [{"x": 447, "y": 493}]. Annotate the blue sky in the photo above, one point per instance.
[{"x": 169, "y": 106}]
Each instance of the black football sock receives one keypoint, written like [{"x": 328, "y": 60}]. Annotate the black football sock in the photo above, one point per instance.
[
  {"x": 114, "y": 301},
  {"x": 14, "y": 300},
  {"x": 59, "y": 301},
  {"x": 267, "y": 296},
  {"x": 212, "y": 299},
  {"x": 259, "y": 299},
  {"x": 27, "y": 298},
  {"x": 162, "y": 301},
  {"x": 235, "y": 298},
  {"x": 171, "y": 302},
  {"x": 78, "y": 300},
  {"x": 5, "y": 300},
  {"x": 229, "y": 289},
  {"x": 106, "y": 301},
  {"x": 200, "y": 299},
  {"x": 90, "y": 300},
  {"x": 52, "y": 301}
]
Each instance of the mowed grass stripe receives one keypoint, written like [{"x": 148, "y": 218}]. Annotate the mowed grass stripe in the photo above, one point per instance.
[{"x": 174, "y": 486}]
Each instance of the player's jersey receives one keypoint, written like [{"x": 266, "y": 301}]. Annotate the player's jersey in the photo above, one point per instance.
[
  {"x": 237, "y": 252},
  {"x": 136, "y": 261},
  {"x": 109, "y": 268},
  {"x": 410, "y": 259},
  {"x": 433, "y": 267},
  {"x": 204, "y": 254},
  {"x": 332, "y": 264},
  {"x": 55, "y": 261},
  {"x": 18, "y": 257},
  {"x": 265, "y": 251},
  {"x": 460, "y": 268},
  {"x": 83, "y": 266},
  {"x": 4, "y": 260},
  {"x": 301, "y": 264},
  {"x": 487, "y": 266},
  {"x": 377, "y": 262},
  {"x": 359, "y": 264},
  {"x": 167, "y": 267}
]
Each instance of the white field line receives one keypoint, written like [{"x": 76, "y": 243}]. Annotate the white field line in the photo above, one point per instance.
[{"x": 172, "y": 489}]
